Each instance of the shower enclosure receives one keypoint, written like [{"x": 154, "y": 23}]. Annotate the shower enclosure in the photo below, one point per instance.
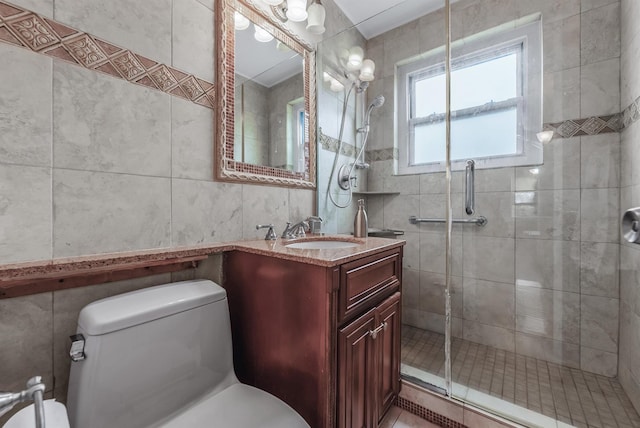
[{"x": 538, "y": 330}]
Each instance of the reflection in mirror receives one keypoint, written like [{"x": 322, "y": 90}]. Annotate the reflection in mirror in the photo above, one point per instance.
[
  {"x": 269, "y": 100},
  {"x": 266, "y": 100}
]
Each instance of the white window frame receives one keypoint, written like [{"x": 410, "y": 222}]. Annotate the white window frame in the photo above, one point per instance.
[{"x": 527, "y": 39}]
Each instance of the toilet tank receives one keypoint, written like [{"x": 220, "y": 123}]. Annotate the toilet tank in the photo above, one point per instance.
[{"x": 149, "y": 353}]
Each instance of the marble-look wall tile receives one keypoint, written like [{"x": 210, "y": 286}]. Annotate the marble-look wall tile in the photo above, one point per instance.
[
  {"x": 548, "y": 214},
  {"x": 411, "y": 251},
  {"x": 411, "y": 289},
  {"x": 432, "y": 253},
  {"x": 434, "y": 206},
  {"x": 561, "y": 44},
  {"x": 488, "y": 258},
  {"x": 497, "y": 337},
  {"x": 629, "y": 155},
  {"x": 66, "y": 308},
  {"x": 42, "y": 7},
  {"x": 193, "y": 38},
  {"x": 101, "y": 213},
  {"x": 548, "y": 264},
  {"x": 494, "y": 180},
  {"x": 192, "y": 140},
  {"x": 599, "y": 362},
  {"x": 490, "y": 303},
  {"x": 25, "y": 213},
  {"x": 599, "y": 323},
  {"x": 481, "y": 16},
  {"x": 264, "y": 205},
  {"x": 405, "y": 184},
  {"x": 432, "y": 294},
  {"x": 25, "y": 107},
  {"x": 398, "y": 209},
  {"x": 599, "y": 215},
  {"x": 592, "y": 4},
  {"x": 560, "y": 170},
  {"x": 105, "y": 124},
  {"x": 203, "y": 212},
  {"x": 561, "y": 95},
  {"x": 25, "y": 334},
  {"x": 302, "y": 204},
  {"x": 498, "y": 208},
  {"x": 599, "y": 269},
  {"x": 600, "y": 34},
  {"x": 600, "y": 88},
  {"x": 600, "y": 161},
  {"x": 552, "y": 10},
  {"x": 554, "y": 351},
  {"x": 548, "y": 313},
  {"x": 143, "y": 27},
  {"x": 399, "y": 48}
]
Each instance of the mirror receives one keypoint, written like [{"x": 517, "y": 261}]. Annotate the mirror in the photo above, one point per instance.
[{"x": 265, "y": 101}]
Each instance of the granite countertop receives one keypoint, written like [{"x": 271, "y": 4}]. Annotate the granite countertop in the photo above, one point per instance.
[{"x": 277, "y": 248}]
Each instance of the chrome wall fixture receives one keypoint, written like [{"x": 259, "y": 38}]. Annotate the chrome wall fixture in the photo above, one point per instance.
[
  {"x": 631, "y": 225},
  {"x": 297, "y": 11},
  {"x": 470, "y": 199},
  {"x": 478, "y": 221}
]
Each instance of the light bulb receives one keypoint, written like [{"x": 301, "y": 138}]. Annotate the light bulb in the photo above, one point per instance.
[
  {"x": 315, "y": 23},
  {"x": 366, "y": 72},
  {"x": 297, "y": 10},
  {"x": 262, "y": 35},
  {"x": 355, "y": 58},
  {"x": 240, "y": 21}
]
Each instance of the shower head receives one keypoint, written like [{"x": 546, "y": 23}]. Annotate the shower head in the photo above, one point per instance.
[
  {"x": 376, "y": 103},
  {"x": 361, "y": 87}
]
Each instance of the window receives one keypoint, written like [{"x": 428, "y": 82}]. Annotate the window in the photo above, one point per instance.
[{"x": 495, "y": 104}]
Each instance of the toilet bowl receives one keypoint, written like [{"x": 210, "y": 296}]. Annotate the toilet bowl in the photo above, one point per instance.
[
  {"x": 162, "y": 357},
  {"x": 55, "y": 416}
]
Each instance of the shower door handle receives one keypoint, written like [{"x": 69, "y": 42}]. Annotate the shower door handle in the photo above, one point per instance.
[{"x": 470, "y": 199}]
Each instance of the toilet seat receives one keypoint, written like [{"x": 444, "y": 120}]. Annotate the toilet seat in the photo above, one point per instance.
[{"x": 238, "y": 406}]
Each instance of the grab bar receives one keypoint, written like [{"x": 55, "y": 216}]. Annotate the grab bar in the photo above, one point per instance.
[
  {"x": 469, "y": 197},
  {"x": 479, "y": 221}
]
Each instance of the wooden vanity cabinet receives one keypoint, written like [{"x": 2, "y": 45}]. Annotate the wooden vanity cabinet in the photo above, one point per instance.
[{"x": 304, "y": 333}]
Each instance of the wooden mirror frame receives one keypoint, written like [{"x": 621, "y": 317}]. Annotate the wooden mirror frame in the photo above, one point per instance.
[{"x": 226, "y": 168}]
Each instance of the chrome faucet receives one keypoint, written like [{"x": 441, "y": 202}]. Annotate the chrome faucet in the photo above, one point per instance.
[
  {"x": 35, "y": 390},
  {"x": 298, "y": 230}
]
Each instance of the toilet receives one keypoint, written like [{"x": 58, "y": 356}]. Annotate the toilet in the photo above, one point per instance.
[{"x": 162, "y": 357}]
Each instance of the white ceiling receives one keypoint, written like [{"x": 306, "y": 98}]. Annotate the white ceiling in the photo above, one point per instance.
[{"x": 374, "y": 17}]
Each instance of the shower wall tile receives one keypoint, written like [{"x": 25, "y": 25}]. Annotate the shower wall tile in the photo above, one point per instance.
[
  {"x": 192, "y": 136},
  {"x": 25, "y": 332},
  {"x": 599, "y": 362},
  {"x": 432, "y": 253},
  {"x": 436, "y": 182},
  {"x": 548, "y": 214},
  {"x": 375, "y": 212},
  {"x": 398, "y": 47},
  {"x": 434, "y": 206},
  {"x": 491, "y": 259},
  {"x": 555, "y": 351},
  {"x": 25, "y": 108},
  {"x": 411, "y": 289},
  {"x": 548, "y": 264},
  {"x": 490, "y": 303},
  {"x": 560, "y": 170},
  {"x": 600, "y": 88},
  {"x": 132, "y": 212},
  {"x": 552, "y": 10},
  {"x": 301, "y": 202},
  {"x": 42, "y": 7},
  {"x": 432, "y": 294},
  {"x": 106, "y": 124},
  {"x": 561, "y": 95},
  {"x": 263, "y": 205},
  {"x": 629, "y": 55},
  {"x": 193, "y": 38},
  {"x": 499, "y": 209},
  {"x": 481, "y": 16},
  {"x": 599, "y": 323},
  {"x": 561, "y": 44},
  {"x": 405, "y": 184},
  {"x": 629, "y": 156},
  {"x": 592, "y": 4},
  {"x": 599, "y": 269},
  {"x": 600, "y": 215},
  {"x": 398, "y": 209},
  {"x": 548, "y": 313},
  {"x": 143, "y": 27},
  {"x": 25, "y": 213},
  {"x": 198, "y": 208},
  {"x": 494, "y": 180},
  {"x": 432, "y": 33},
  {"x": 411, "y": 250},
  {"x": 600, "y": 161},
  {"x": 498, "y": 337},
  {"x": 600, "y": 34}
]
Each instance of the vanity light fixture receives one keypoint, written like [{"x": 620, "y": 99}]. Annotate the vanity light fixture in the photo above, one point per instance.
[
  {"x": 296, "y": 11},
  {"x": 545, "y": 136},
  {"x": 262, "y": 35},
  {"x": 240, "y": 21},
  {"x": 367, "y": 70},
  {"x": 354, "y": 62}
]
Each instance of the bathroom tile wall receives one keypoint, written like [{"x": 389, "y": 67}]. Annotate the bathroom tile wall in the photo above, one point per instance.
[
  {"x": 541, "y": 277},
  {"x": 629, "y": 366},
  {"x": 90, "y": 163}
]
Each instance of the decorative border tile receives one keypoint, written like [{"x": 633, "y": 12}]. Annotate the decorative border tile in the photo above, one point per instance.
[
  {"x": 631, "y": 114},
  {"x": 427, "y": 414},
  {"x": 381, "y": 154},
  {"x": 331, "y": 144},
  {"x": 590, "y": 126},
  {"x": 29, "y": 30}
]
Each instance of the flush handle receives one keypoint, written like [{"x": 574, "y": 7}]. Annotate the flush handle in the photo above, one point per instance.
[{"x": 77, "y": 348}]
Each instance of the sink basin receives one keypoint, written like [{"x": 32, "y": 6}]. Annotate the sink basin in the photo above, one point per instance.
[{"x": 322, "y": 245}]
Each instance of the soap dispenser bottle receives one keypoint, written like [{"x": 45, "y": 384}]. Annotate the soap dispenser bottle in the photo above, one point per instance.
[{"x": 360, "y": 223}]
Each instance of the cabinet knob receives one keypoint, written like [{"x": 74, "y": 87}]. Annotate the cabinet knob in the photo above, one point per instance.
[{"x": 374, "y": 332}]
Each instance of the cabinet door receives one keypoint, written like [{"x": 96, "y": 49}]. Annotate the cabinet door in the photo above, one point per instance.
[
  {"x": 388, "y": 354},
  {"x": 356, "y": 356}
]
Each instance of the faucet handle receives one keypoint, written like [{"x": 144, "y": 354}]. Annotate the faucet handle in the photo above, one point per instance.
[{"x": 271, "y": 234}]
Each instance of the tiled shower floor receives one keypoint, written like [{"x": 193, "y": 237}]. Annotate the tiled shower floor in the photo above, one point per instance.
[{"x": 569, "y": 395}]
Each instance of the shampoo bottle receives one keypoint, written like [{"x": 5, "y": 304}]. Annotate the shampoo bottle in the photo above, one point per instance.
[{"x": 360, "y": 224}]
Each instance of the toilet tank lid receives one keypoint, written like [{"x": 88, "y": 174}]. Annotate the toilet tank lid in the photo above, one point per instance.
[{"x": 137, "y": 307}]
